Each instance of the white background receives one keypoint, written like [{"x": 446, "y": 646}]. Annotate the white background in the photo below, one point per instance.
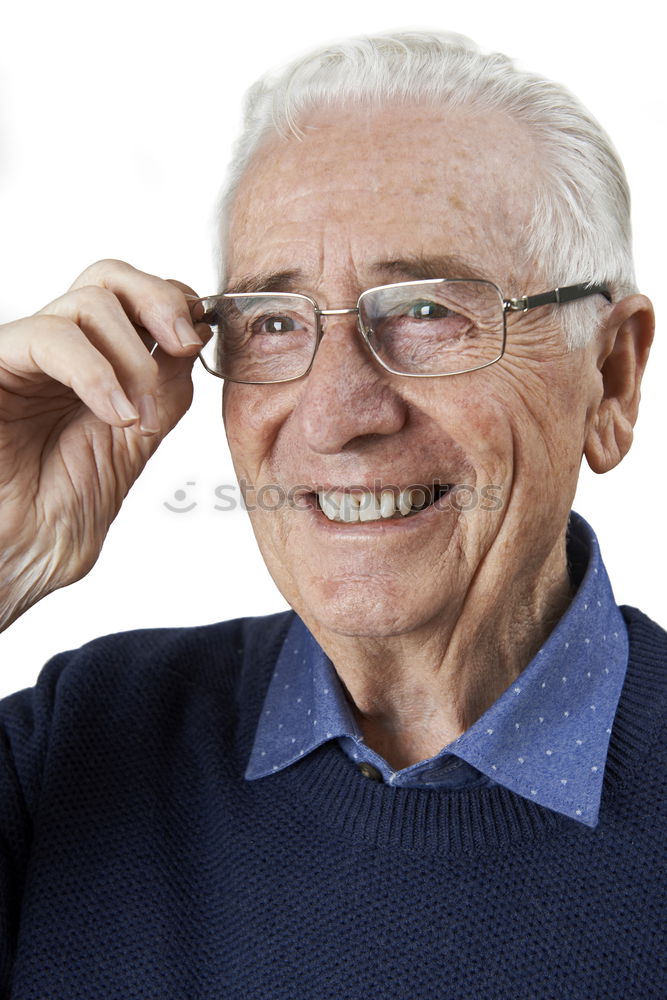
[{"x": 115, "y": 127}]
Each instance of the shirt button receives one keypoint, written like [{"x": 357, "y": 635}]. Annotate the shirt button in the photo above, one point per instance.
[{"x": 370, "y": 771}]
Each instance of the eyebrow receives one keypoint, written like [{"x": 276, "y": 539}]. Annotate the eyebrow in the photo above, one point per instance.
[
  {"x": 268, "y": 281},
  {"x": 405, "y": 268},
  {"x": 415, "y": 266}
]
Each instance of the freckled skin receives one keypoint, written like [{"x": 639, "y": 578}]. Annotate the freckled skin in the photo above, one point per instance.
[{"x": 426, "y": 627}]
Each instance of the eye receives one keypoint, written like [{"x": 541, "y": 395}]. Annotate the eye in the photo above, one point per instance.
[
  {"x": 425, "y": 309},
  {"x": 275, "y": 323}
]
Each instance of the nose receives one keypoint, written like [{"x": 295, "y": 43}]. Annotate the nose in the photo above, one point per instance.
[{"x": 347, "y": 396}]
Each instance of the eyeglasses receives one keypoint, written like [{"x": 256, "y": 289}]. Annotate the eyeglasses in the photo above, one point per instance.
[{"x": 420, "y": 329}]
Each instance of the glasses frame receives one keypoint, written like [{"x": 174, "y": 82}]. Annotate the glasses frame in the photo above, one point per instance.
[{"x": 521, "y": 303}]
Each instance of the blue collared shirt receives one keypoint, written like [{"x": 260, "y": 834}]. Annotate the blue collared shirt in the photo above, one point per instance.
[{"x": 545, "y": 738}]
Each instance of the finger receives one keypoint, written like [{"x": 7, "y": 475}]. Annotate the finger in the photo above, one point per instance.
[
  {"x": 55, "y": 347},
  {"x": 159, "y": 306},
  {"x": 187, "y": 291},
  {"x": 195, "y": 306},
  {"x": 159, "y": 383},
  {"x": 99, "y": 314}
]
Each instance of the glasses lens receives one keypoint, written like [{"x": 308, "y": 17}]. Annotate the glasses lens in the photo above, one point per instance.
[
  {"x": 267, "y": 337},
  {"x": 434, "y": 327}
]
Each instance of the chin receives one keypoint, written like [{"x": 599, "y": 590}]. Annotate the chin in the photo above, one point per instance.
[{"x": 357, "y": 608}]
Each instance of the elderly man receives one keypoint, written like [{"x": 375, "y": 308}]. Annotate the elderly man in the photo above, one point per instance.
[{"x": 443, "y": 775}]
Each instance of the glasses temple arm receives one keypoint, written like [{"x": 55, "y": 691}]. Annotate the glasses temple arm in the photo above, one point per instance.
[{"x": 567, "y": 294}]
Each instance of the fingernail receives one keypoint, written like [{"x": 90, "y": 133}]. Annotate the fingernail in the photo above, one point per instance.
[
  {"x": 149, "y": 422},
  {"x": 185, "y": 333},
  {"x": 123, "y": 407}
]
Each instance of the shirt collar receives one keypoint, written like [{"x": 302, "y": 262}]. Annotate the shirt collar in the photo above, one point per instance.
[
  {"x": 546, "y": 737},
  {"x": 304, "y": 706}
]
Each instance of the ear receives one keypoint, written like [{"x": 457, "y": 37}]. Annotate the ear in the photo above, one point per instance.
[{"x": 625, "y": 342}]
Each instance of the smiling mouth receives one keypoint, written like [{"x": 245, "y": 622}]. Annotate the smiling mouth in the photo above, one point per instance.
[{"x": 386, "y": 505}]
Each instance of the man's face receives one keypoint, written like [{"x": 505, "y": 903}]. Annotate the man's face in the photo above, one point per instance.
[{"x": 354, "y": 204}]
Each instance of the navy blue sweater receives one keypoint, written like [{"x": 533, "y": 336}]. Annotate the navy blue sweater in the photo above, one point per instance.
[{"x": 136, "y": 861}]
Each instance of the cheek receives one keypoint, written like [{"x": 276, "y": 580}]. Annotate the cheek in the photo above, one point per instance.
[
  {"x": 253, "y": 416},
  {"x": 544, "y": 414},
  {"x": 477, "y": 422},
  {"x": 522, "y": 425}
]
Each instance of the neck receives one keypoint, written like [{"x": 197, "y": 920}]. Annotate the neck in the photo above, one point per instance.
[{"x": 416, "y": 692}]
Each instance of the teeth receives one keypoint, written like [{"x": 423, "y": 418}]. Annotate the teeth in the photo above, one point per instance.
[
  {"x": 405, "y": 502},
  {"x": 387, "y": 506},
  {"x": 328, "y": 505},
  {"x": 349, "y": 509},
  {"x": 369, "y": 509},
  {"x": 354, "y": 507}
]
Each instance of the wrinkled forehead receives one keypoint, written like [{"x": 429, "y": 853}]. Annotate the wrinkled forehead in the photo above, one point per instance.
[{"x": 362, "y": 183}]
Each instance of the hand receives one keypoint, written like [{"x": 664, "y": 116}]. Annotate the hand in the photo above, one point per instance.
[{"x": 83, "y": 406}]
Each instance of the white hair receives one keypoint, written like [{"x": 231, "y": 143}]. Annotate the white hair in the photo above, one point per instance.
[{"x": 580, "y": 229}]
